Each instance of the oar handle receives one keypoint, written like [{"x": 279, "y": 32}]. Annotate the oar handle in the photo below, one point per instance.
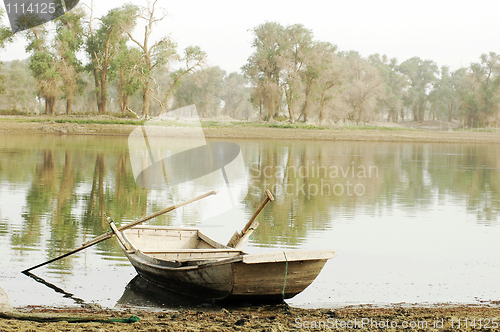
[{"x": 239, "y": 239}]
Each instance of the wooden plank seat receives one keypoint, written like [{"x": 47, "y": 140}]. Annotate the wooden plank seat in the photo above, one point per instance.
[{"x": 182, "y": 255}]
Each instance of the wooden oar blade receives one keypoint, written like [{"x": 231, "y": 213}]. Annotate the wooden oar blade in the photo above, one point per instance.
[
  {"x": 234, "y": 239},
  {"x": 246, "y": 236}
]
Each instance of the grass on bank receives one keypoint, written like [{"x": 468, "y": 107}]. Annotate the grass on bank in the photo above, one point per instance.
[
  {"x": 480, "y": 130},
  {"x": 112, "y": 119},
  {"x": 79, "y": 121},
  {"x": 92, "y": 121},
  {"x": 318, "y": 127}
]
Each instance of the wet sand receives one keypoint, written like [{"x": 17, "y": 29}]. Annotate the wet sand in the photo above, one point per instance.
[{"x": 271, "y": 318}]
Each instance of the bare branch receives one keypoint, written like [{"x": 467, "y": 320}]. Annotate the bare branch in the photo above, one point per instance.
[{"x": 136, "y": 41}]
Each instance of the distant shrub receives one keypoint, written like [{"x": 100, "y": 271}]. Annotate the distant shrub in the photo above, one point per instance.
[{"x": 12, "y": 111}]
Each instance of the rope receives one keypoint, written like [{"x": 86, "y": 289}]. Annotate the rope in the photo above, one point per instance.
[
  {"x": 286, "y": 274},
  {"x": 46, "y": 318}
]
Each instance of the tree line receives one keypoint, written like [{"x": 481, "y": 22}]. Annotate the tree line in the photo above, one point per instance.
[
  {"x": 289, "y": 76},
  {"x": 297, "y": 77},
  {"x": 121, "y": 74}
]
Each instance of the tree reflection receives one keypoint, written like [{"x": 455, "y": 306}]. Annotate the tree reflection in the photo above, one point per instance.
[
  {"x": 38, "y": 203},
  {"x": 409, "y": 175},
  {"x": 76, "y": 183},
  {"x": 63, "y": 224}
]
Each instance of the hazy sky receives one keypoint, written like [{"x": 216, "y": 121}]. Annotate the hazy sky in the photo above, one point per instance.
[{"x": 452, "y": 33}]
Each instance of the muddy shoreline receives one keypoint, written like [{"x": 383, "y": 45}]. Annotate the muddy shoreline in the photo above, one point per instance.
[
  {"x": 225, "y": 131},
  {"x": 268, "y": 318}
]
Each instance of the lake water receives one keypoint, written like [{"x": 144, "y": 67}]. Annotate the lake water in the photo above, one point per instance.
[{"x": 410, "y": 222}]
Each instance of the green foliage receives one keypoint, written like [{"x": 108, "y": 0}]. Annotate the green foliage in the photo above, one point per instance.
[
  {"x": 289, "y": 68},
  {"x": 43, "y": 66},
  {"x": 20, "y": 86},
  {"x": 193, "y": 59},
  {"x": 102, "y": 46},
  {"x": 236, "y": 95},
  {"x": 6, "y": 35},
  {"x": 395, "y": 84},
  {"x": 68, "y": 42},
  {"x": 204, "y": 89},
  {"x": 481, "y": 99},
  {"x": 421, "y": 75},
  {"x": 289, "y": 76},
  {"x": 126, "y": 70},
  {"x": 263, "y": 69},
  {"x": 12, "y": 111},
  {"x": 90, "y": 121}
]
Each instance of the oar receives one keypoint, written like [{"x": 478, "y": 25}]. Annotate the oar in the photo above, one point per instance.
[
  {"x": 132, "y": 224},
  {"x": 239, "y": 239}
]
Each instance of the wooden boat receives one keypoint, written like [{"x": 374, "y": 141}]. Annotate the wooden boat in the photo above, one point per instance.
[{"x": 187, "y": 261}]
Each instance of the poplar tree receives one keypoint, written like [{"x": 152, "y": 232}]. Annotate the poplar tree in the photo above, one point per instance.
[
  {"x": 421, "y": 76},
  {"x": 68, "y": 42},
  {"x": 43, "y": 66},
  {"x": 102, "y": 47}
]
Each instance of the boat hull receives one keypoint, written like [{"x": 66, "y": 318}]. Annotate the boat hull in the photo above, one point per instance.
[
  {"x": 212, "y": 282},
  {"x": 259, "y": 282},
  {"x": 187, "y": 261},
  {"x": 273, "y": 282}
]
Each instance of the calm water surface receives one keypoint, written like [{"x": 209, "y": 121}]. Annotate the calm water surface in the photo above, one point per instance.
[{"x": 414, "y": 223}]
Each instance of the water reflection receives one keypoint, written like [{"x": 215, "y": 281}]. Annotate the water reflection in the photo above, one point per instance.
[
  {"x": 142, "y": 293},
  {"x": 314, "y": 181},
  {"x": 55, "y": 191},
  {"x": 71, "y": 186}
]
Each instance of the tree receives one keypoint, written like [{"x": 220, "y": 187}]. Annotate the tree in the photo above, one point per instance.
[
  {"x": 236, "y": 95},
  {"x": 102, "y": 46},
  {"x": 194, "y": 58},
  {"x": 263, "y": 68},
  {"x": 5, "y": 37},
  {"x": 481, "y": 101},
  {"x": 211, "y": 81},
  {"x": 296, "y": 45},
  {"x": 43, "y": 67},
  {"x": 421, "y": 75},
  {"x": 204, "y": 89},
  {"x": 457, "y": 81},
  {"x": 68, "y": 42},
  {"x": 288, "y": 64},
  {"x": 322, "y": 78},
  {"x": 126, "y": 71},
  {"x": 444, "y": 97},
  {"x": 159, "y": 54},
  {"x": 363, "y": 87},
  {"x": 20, "y": 86},
  {"x": 395, "y": 84}
]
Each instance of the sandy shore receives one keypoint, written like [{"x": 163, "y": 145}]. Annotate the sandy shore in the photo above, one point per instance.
[
  {"x": 19, "y": 125},
  {"x": 270, "y": 318}
]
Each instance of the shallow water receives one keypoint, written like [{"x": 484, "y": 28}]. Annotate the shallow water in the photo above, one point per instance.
[{"x": 410, "y": 222}]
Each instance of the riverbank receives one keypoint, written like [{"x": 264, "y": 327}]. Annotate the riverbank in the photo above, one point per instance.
[
  {"x": 269, "y": 318},
  {"x": 380, "y": 132}
]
